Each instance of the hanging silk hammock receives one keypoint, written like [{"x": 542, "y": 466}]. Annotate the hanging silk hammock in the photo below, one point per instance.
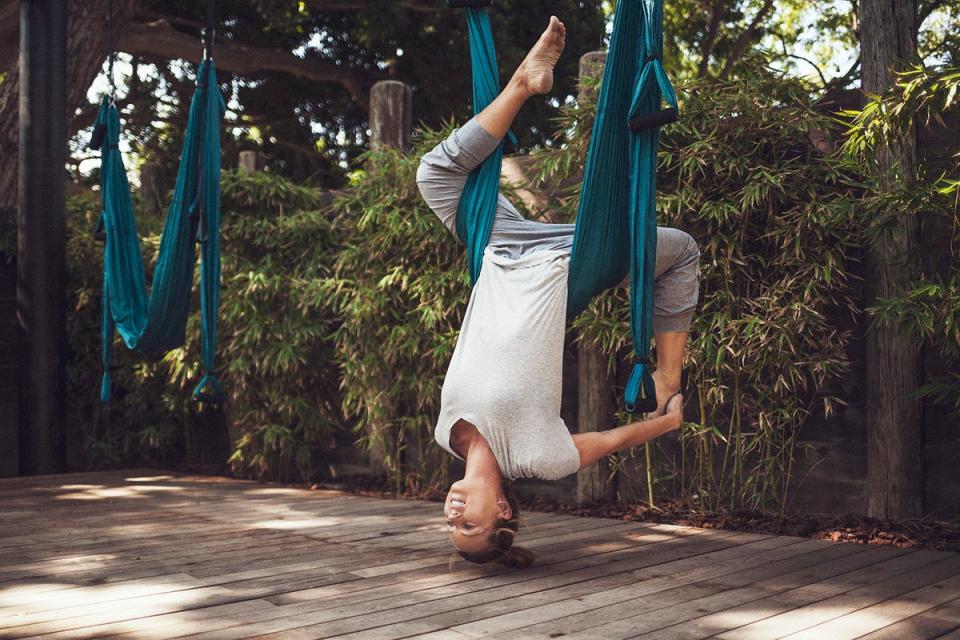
[
  {"x": 620, "y": 174},
  {"x": 156, "y": 323}
]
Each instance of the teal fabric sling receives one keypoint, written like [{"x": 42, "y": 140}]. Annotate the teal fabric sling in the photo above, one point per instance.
[
  {"x": 478, "y": 205},
  {"x": 156, "y": 323},
  {"x": 616, "y": 225}
]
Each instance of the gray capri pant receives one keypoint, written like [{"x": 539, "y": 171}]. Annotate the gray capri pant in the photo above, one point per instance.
[{"x": 443, "y": 173}]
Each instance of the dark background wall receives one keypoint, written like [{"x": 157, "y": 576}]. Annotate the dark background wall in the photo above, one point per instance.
[{"x": 9, "y": 465}]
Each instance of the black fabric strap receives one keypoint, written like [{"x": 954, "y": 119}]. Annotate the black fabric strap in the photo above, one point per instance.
[{"x": 463, "y": 4}]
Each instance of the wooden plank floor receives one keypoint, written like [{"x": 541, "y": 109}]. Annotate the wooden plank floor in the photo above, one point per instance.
[{"x": 141, "y": 554}]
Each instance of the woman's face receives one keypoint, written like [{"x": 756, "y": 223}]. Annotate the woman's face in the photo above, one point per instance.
[{"x": 471, "y": 510}]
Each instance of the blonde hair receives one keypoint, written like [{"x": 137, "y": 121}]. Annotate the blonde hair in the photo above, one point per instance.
[{"x": 501, "y": 549}]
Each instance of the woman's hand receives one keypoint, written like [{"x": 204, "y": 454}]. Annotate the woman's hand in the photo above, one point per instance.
[{"x": 594, "y": 445}]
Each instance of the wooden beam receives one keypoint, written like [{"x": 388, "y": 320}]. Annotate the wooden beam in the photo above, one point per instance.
[{"x": 41, "y": 235}]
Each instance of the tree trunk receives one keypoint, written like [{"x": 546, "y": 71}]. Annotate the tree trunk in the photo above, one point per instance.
[
  {"x": 88, "y": 42},
  {"x": 895, "y": 430}
]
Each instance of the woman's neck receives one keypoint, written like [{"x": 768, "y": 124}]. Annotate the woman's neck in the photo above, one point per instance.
[{"x": 467, "y": 441}]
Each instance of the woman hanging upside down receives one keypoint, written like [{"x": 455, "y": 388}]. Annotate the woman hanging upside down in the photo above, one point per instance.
[{"x": 500, "y": 404}]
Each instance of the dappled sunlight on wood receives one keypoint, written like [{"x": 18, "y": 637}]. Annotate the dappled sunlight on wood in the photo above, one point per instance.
[
  {"x": 140, "y": 555},
  {"x": 304, "y": 523},
  {"x": 63, "y": 597},
  {"x": 94, "y": 493},
  {"x": 276, "y": 492}
]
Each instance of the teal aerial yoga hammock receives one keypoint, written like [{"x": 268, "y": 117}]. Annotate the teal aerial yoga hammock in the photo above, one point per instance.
[
  {"x": 616, "y": 231},
  {"x": 156, "y": 323}
]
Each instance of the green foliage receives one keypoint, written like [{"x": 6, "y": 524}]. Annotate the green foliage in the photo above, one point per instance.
[
  {"x": 921, "y": 97},
  {"x": 347, "y": 315},
  {"x": 400, "y": 288},
  {"x": 775, "y": 222},
  {"x": 939, "y": 39},
  {"x": 142, "y": 426},
  {"x": 274, "y": 352}
]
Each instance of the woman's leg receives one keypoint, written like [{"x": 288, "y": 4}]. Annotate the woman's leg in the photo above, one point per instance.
[
  {"x": 534, "y": 76},
  {"x": 670, "y": 348},
  {"x": 443, "y": 171},
  {"x": 676, "y": 290}
]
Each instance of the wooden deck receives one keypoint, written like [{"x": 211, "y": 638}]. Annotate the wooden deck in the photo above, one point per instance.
[{"x": 147, "y": 555}]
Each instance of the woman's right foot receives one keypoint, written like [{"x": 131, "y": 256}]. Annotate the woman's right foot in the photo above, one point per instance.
[
  {"x": 665, "y": 390},
  {"x": 674, "y": 412},
  {"x": 536, "y": 71}
]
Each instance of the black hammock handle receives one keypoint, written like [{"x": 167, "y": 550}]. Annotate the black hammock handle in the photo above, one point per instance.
[{"x": 647, "y": 121}]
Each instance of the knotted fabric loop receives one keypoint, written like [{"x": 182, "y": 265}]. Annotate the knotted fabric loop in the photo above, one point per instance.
[
  {"x": 640, "y": 381},
  {"x": 209, "y": 390}
]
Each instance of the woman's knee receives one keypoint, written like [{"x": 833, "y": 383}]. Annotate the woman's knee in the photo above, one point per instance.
[
  {"x": 691, "y": 250},
  {"x": 423, "y": 173},
  {"x": 676, "y": 250}
]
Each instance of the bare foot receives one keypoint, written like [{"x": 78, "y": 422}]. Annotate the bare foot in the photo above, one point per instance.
[
  {"x": 535, "y": 73},
  {"x": 665, "y": 391}
]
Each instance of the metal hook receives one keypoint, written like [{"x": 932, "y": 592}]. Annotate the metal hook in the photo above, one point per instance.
[
  {"x": 113, "y": 54},
  {"x": 209, "y": 30}
]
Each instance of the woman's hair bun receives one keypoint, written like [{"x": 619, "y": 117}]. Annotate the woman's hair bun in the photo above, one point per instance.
[{"x": 516, "y": 558}]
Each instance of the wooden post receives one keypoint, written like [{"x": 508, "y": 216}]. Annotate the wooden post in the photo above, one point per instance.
[
  {"x": 591, "y": 66},
  {"x": 9, "y": 372},
  {"x": 252, "y": 161},
  {"x": 888, "y": 36},
  {"x": 41, "y": 235},
  {"x": 391, "y": 121},
  {"x": 596, "y": 408},
  {"x": 391, "y": 115},
  {"x": 596, "y": 404},
  {"x": 153, "y": 188}
]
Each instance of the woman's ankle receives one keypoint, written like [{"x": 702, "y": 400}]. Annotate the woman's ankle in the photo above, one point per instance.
[{"x": 517, "y": 85}]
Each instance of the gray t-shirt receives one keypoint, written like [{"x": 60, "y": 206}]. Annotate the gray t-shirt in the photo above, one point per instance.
[{"x": 505, "y": 377}]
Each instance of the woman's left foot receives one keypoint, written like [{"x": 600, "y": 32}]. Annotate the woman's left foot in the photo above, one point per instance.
[{"x": 536, "y": 71}]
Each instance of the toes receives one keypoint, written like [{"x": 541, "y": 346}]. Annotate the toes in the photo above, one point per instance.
[{"x": 556, "y": 26}]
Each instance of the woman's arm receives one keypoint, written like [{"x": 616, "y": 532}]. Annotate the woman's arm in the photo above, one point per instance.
[{"x": 594, "y": 445}]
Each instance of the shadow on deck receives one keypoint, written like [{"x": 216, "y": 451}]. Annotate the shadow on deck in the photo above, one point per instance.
[{"x": 142, "y": 554}]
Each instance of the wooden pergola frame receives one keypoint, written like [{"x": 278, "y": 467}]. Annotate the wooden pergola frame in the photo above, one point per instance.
[{"x": 41, "y": 236}]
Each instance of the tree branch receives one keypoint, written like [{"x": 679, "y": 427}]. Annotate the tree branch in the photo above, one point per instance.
[
  {"x": 708, "y": 41},
  {"x": 787, "y": 54},
  {"x": 841, "y": 81},
  {"x": 421, "y": 6},
  {"x": 744, "y": 40},
  {"x": 158, "y": 39}
]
